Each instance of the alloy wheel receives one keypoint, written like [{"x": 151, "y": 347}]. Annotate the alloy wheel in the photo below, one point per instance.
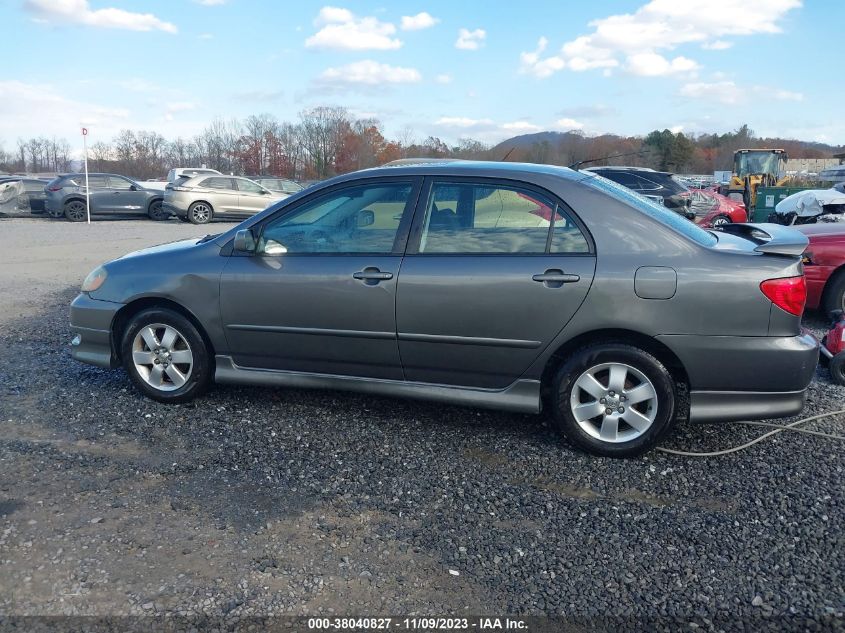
[
  {"x": 200, "y": 213},
  {"x": 613, "y": 402},
  {"x": 75, "y": 211},
  {"x": 162, "y": 357}
]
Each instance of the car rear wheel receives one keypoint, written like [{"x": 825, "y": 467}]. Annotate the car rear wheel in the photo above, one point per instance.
[
  {"x": 157, "y": 212},
  {"x": 76, "y": 211},
  {"x": 834, "y": 294},
  {"x": 200, "y": 213},
  {"x": 165, "y": 356},
  {"x": 614, "y": 400},
  {"x": 720, "y": 220}
]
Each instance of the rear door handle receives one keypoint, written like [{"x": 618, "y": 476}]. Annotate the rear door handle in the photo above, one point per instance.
[
  {"x": 371, "y": 276},
  {"x": 555, "y": 278}
]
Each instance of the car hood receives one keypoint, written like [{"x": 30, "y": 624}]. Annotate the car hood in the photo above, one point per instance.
[{"x": 170, "y": 247}]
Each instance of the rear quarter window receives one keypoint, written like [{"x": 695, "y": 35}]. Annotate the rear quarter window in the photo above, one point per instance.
[{"x": 659, "y": 213}]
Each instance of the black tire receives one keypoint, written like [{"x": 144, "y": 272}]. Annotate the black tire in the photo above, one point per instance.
[
  {"x": 834, "y": 293},
  {"x": 661, "y": 408},
  {"x": 76, "y": 211},
  {"x": 197, "y": 376},
  {"x": 156, "y": 211},
  {"x": 200, "y": 213},
  {"x": 836, "y": 367},
  {"x": 720, "y": 220}
]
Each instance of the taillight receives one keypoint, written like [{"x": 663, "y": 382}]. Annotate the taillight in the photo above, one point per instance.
[
  {"x": 181, "y": 188},
  {"x": 787, "y": 293},
  {"x": 54, "y": 188}
]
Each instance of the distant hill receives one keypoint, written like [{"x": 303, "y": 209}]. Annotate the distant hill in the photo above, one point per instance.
[{"x": 526, "y": 141}]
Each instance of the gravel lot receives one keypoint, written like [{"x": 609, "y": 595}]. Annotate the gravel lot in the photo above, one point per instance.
[{"x": 267, "y": 501}]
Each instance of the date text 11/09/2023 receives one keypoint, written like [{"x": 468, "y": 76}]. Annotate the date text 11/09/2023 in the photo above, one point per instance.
[{"x": 418, "y": 624}]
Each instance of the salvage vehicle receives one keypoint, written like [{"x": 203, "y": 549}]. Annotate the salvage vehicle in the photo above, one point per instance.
[
  {"x": 199, "y": 199},
  {"x": 755, "y": 168},
  {"x": 447, "y": 282},
  {"x": 712, "y": 209},
  {"x": 659, "y": 186},
  {"x": 824, "y": 265},
  {"x": 110, "y": 194}
]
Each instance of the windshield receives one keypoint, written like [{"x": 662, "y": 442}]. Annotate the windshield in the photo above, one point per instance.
[
  {"x": 656, "y": 211},
  {"x": 756, "y": 163}
]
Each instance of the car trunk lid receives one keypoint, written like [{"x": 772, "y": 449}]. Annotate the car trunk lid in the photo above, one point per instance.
[{"x": 769, "y": 239}]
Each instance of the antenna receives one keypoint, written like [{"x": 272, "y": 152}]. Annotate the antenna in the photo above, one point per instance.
[{"x": 577, "y": 164}]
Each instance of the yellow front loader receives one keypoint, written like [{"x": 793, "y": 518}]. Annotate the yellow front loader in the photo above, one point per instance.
[{"x": 755, "y": 168}]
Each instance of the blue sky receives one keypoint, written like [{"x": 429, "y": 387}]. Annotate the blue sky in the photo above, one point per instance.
[{"x": 486, "y": 70}]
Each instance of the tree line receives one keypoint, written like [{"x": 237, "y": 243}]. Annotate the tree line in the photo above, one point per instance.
[{"x": 326, "y": 141}]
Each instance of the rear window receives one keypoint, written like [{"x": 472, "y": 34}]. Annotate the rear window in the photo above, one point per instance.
[{"x": 656, "y": 211}]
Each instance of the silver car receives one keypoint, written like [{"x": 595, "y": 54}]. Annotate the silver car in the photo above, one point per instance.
[
  {"x": 518, "y": 287},
  {"x": 201, "y": 198}
]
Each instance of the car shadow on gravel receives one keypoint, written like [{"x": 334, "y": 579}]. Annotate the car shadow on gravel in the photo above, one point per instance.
[{"x": 329, "y": 500}]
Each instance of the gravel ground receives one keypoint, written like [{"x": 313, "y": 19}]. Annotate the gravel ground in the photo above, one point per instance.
[{"x": 256, "y": 502}]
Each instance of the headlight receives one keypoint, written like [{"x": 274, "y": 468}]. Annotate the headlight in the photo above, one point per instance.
[{"x": 95, "y": 279}]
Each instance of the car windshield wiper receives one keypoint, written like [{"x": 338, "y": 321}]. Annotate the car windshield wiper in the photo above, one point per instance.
[{"x": 208, "y": 238}]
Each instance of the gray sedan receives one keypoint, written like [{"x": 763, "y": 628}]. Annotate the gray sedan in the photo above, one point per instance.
[{"x": 517, "y": 287}]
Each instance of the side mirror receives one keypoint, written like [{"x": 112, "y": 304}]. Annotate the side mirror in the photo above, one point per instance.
[
  {"x": 133, "y": 188},
  {"x": 244, "y": 241},
  {"x": 366, "y": 218}
]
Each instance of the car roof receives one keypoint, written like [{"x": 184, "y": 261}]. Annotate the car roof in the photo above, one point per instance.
[
  {"x": 448, "y": 167},
  {"x": 625, "y": 168}
]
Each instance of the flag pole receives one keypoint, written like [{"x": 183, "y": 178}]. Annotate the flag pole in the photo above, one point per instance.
[{"x": 87, "y": 190}]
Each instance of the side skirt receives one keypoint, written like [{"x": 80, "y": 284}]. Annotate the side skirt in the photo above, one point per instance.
[{"x": 523, "y": 396}]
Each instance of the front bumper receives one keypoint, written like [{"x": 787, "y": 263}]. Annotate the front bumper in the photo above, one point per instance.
[
  {"x": 746, "y": 377},
  {"x": 90, "y": 323}
]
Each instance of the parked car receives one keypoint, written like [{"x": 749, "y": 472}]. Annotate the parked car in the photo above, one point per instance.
[
  {"x": 659, "y": 186},
  {"x": 200, "y": 199},
  {"x": 824, "y": 265},
  {"x": 283, "y": 185},
  {"x": 174, "y": 174},
  {"x": 31, "y": 195},
  {"x": 713, "y": 209},
  {"x": 110, "y": 194},
  {"x": 445, "y": 282}
]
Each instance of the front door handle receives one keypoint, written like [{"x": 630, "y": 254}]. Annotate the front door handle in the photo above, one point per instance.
[
  {"x": 371, "y": 275},
  {"x": 555, "y": 278}
]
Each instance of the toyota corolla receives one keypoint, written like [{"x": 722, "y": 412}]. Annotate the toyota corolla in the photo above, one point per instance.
[{"x": 518, "y": 287}]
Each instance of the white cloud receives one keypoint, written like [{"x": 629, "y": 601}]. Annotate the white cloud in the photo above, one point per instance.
[
  {"x": 521, "y": 127},
  {"x": 569, "y": 124},
  {"x": 717, "y": 45},
  {"x": 655, "y": 65},
  {"x": 418, "y": 22},
  {"x": 533, "y": 65},
  {"x": 368, "y": 73},
  {"x": 676, "y": 128},
  {"x": 633, "y": 40},
  {"x": 470, "y": 40},
  {"x": 341, "y": 29},
  {"x": 445, "y": 78},
  {"x": 80, "y": 12},
  {"x": 462, "y": 122},
  {"x": 729, "y": 93}
]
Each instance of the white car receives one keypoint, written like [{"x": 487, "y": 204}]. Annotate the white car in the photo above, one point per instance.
[{"x": 174, "y": 174}]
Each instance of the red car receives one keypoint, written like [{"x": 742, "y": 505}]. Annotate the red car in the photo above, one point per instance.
[
  {"x": 713, "y": 209},
  {"x": 824, "y": 265}
]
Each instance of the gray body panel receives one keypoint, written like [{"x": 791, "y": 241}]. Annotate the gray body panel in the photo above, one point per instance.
[
  {"x": 112, "y": 197},
  {"x": 479, "y": 330}
]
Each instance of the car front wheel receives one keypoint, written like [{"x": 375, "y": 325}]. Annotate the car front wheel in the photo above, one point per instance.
[
  {"x": 614, "y": 400},
  {"x": 720, "y": 220},
  {"x": 165, "y": 356},
  {"x": 157, "y": 212}
]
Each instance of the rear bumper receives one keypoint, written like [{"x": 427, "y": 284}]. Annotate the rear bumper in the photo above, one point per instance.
[
  {"x": 729, "y": 406},
  {"x": 90, "y": 324},
  {"x": 172, "y": 209},
  {"x": 746, "y": 377}
]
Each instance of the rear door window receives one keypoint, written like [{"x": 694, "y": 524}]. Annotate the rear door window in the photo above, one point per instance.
[
  {"x": 476, "y": 218},
  {"x": 218, "y": 183}
]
